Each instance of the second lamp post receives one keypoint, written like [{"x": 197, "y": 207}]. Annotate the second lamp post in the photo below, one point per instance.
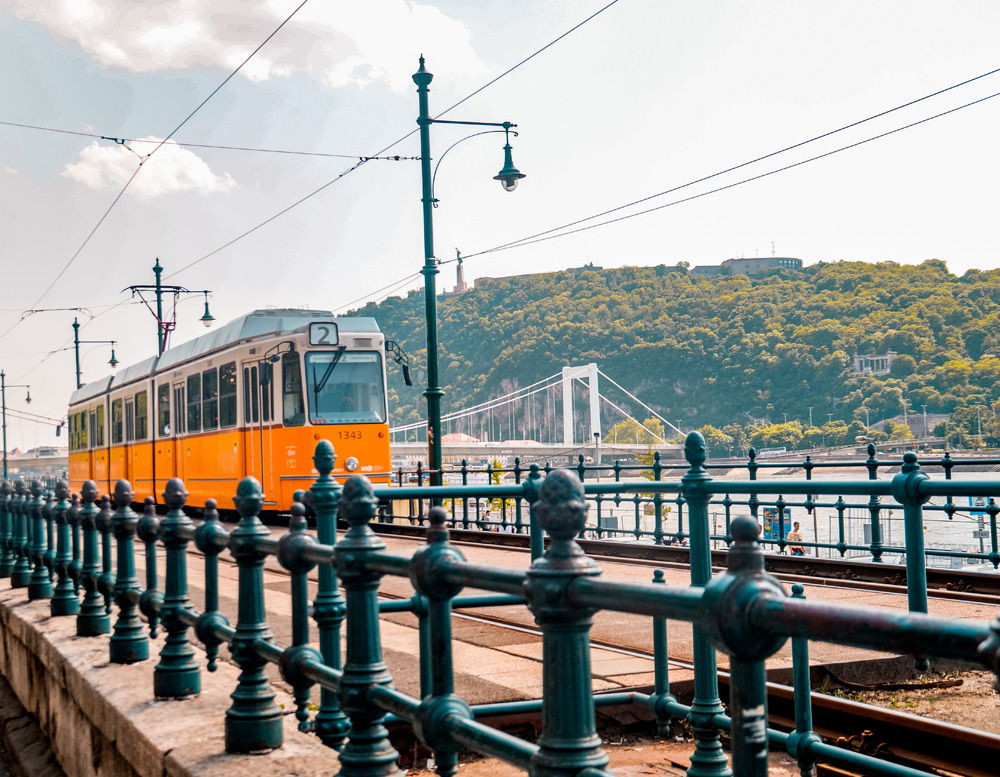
[{"x": 508, "y": 177}]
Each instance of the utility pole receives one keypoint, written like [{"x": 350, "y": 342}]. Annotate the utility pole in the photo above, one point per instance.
[
  {"x": 810, "y": 417},
  {"x": 163, "y": 326}
]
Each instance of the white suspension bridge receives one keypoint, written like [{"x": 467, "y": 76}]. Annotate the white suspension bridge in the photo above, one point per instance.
[{"x": 524, "y": 423}]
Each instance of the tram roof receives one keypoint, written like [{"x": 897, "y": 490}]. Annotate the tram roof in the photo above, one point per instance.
[{"x": 259, "y": 323}]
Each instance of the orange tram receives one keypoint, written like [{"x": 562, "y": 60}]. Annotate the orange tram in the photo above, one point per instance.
[{"x": 250, "y": 398}]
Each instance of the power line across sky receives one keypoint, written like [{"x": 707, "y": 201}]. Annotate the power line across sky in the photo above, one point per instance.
[{"x": 613, "y": 102}]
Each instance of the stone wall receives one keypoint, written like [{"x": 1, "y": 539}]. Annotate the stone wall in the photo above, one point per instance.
[{"x": 102, "y": 720}]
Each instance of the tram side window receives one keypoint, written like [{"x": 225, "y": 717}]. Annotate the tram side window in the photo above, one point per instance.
[
  {"x": 141, "y": 415},
  {"x": 117, "y": 417},
  {"x": 266, "y": 391},
  {"x": 291, "y": 390},
  {"x": 194, "y": 403},
  {"x": 210, "y": 399},
  {"x": 99, "y": 427},
  {"x": 227, "y": 395},
  {"x": 251, "y": 405},
  {"x": 74, "y": 443},
  {"x": 163, "y": 410}
]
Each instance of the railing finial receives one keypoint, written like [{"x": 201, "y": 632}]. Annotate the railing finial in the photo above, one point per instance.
[
  {"x": 324, "y": 458},
  {"x": 249, "y": 498},
  {"x": 694, "y": 451}
]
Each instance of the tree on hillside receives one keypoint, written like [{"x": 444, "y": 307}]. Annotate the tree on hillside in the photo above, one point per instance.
[
  {"x": 777, "y": 436},
  {"x": 631, "y": 432},
  {"x": 717, "y": 442}
]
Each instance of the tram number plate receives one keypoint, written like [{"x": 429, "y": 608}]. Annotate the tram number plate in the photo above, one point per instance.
[
  {"x": 323, "y": 333},
  {"x": 980, "y": 534}
]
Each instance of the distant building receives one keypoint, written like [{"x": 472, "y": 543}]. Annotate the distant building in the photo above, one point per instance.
[
  {"x": 748, "y": 266},
  {"x": 874, "y": 364},
  {"x": 459, "y": 437},
  {"x": 756, "y": 265}
]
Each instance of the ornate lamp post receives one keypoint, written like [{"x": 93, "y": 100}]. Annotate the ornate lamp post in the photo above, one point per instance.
[
  {"x": 165, "y": 326},
  {"x": 3, "y": 403},
  {"x": 508, "y": 177}
]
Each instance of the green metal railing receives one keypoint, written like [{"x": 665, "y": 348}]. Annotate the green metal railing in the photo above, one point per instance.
[
  {"x": 743, "y": 612},
  {"x": 649, "y": 506}
]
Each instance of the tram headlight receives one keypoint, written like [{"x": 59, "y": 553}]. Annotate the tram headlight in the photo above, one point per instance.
[{"x": 351, "y": 464}]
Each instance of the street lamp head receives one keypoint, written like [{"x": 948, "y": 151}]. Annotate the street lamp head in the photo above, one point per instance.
[
  {"x": 208, "y": 318},
  {"x": 509, "y": 175},
  {"x": 27, "y": 398},
  {"x": 113, "y": 361}
]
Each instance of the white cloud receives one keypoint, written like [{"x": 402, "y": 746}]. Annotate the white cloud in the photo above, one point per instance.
[
  {"x": 9, "y": 170},
  {"x": 171, "y": 169},
  {"x": 341, "y": 43}
]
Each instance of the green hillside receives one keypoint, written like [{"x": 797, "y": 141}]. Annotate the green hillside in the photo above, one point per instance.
[{"x": 722, "y": 351}]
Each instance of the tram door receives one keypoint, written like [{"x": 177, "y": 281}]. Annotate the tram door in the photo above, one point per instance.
[
  {"x": 130, "y": 439},
  {"x": 98, "y": 472},
  {"x": 257, "y": 419},
  {"x": 179, "y": 428}
]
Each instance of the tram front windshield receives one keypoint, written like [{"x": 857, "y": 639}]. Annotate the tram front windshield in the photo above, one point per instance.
[{"x": 345, "y": 388}]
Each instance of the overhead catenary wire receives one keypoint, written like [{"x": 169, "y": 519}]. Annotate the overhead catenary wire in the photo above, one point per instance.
[
  {"x": 214, "y": 146},
  {"x": 150, "y": 154},
  {"x": 548, "y": 234},
  {"x": 378, "y": 154}
]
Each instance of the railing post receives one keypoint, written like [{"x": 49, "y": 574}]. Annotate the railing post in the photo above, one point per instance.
[
  {"x": 177, "y": 675},
  {"x": 64, "y": 598},
  {"x": 49, "y": 557},
  {"x": 328, "y": 606},
  {"x": 291, "y": 549},
  {"x": 39, "y": 584},
  {"x": 367, "y": 751},
  {"x": 465, "y": 499},
  {"x": 253, "y": 721},
  {"x": 92, "y": 618},
  {"x": 801, "y": 740},
  {"x": 106, "y": 582},
  {"x": 568, "y": 742},
  {"x": 708, "y": 759},
  {"x": 6, "y": 556},
  {"x": 874, "y": 508},
  {"x": 439, "y": 700},
  {"x": 906, "y": 491},
  {"x": 128, "y": 643},
  {"x": 661, "y": 697},
  {"x": 518, "y": 520},
  {"x": 657, "y": 501},
  {"x": 20, "y": 574},
  {"x": 535, "y": 534},
  {"x": 148, "y": 530},
  {"x": 76, "y": 565},
  {"x": 728, "y": 604},
  {"x": 205, "y": 538}
]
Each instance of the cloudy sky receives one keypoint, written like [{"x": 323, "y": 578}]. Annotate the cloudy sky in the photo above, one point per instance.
[{"x": 647, "y": 98}]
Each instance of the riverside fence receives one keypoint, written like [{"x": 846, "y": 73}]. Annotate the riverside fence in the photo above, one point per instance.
[
  {"x": 652, "y": 516},
  {"x": 62, "y": 550}
]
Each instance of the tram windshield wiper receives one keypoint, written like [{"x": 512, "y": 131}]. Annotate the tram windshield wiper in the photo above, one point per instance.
[{"x": 319, "y": 385}]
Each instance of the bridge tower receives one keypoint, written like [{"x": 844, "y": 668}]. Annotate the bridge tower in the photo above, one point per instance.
[{"x": 569, "y": 374}]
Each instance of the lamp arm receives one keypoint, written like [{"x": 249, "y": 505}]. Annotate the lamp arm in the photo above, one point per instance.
[{"x": 467, "y": 137}]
